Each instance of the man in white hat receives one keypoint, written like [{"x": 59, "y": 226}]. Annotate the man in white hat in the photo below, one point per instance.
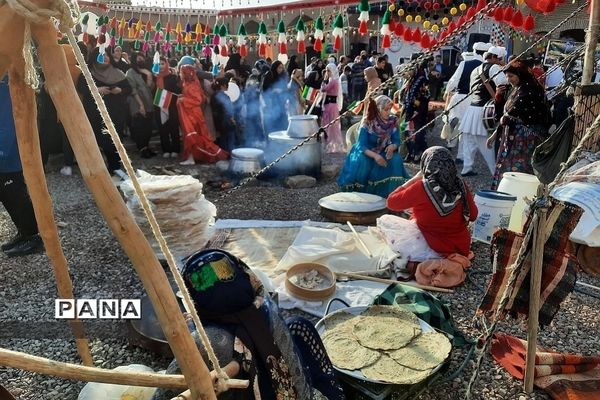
[
  {"x": 474, "y": 134},
  {"x": 458, "y": 88}
]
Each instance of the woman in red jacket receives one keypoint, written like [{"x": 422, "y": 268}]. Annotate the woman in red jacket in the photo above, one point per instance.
[{"x": 441, "y": 203}]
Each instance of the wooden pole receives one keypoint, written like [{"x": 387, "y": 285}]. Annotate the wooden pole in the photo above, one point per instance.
[
  {"x": 389, "y": 282},
  {"x": 591, "y": 41},
  {"x": 41, "y": 365},
  {"x": 537, "y": 258},
  {"x": 25, "y": 116},
  {"x": 82, "y": 139}
]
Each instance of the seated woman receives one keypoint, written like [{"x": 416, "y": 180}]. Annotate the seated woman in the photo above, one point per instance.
[
  {"x": 373, "y": 164},
  {"x": 280, "y": 359},
  {"x": 441, "y": 203}
]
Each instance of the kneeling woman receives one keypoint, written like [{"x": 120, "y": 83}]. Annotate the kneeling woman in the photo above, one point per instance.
[
  {"x": 373, "y": 164},
  {"x": 441, "y": 203},
  {"x": 282, "y": 359}
]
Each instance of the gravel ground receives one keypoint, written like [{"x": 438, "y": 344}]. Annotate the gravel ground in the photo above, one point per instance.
[{"x": 100, "y": 269}]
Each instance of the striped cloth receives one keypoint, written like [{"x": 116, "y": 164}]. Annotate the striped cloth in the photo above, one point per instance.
[{"x": 558, "y": 274}]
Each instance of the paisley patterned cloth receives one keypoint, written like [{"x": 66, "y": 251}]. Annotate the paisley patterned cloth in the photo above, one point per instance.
[{"x": 441, "y": 181}]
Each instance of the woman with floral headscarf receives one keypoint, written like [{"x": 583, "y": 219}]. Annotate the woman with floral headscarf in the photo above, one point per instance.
[
  {"x": 332, "y": 105},
  {"x": 415, "y": 111},
  {"x": 441, "y": 203},
  {"x": 197, "y": 145},
  {"x": 374, "y": 165},
  {"x": 524, "y": 124}
]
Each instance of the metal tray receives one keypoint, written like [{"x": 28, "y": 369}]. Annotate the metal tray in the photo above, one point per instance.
[{"x": 357, "y": 374}]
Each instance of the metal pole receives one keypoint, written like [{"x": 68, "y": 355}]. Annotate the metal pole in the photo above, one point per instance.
[{"x": 590, "y": 43}]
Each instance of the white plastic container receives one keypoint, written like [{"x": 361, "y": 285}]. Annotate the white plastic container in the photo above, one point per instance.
[
  {"x": 522, "y": 186},
  {"x": 495, "y": 209}
]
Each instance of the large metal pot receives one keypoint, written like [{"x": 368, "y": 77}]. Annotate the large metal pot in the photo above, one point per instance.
[
  {"x": 301, "y": 126},
  {"x": 304, "y": 161},
  {"x": 245, "y": 161}
]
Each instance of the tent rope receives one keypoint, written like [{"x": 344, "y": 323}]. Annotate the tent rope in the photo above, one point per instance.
[{"x": 222, "y": 377}]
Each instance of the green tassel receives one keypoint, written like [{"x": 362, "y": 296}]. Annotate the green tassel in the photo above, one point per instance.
[
  {"x": 179, "y": 47},
  {"x": 319, "y": 24},
  {"x": 157, "y": 27},
  {"x": 168, "y": 36},
  {"x": 136, "y": 45},
  {"x": 197, "y": 47},
  {"x": 120, "y": 41}
]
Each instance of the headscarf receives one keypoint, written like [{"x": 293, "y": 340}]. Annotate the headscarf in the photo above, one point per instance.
[
  {"x": 186, "y": 60},
  {"x": 370, "y": 74},
  {"x": 162, "y": 74},
  {"x": 333, "y": 74},
  {"x": 375, "y": 123},
  {"x": 527, "y": 101},
  {"x": 441, "y": 181},
  {"x": 189, "y": 74},
  {"x": 108, "y": 74},
  {"x": 292, "y": 65}
]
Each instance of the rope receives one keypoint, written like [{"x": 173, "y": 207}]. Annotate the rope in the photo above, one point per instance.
[
  {"x": 222, "y": 377},
  {"x": 379, "y": 89},
  {"x": 66, "y": 12}
]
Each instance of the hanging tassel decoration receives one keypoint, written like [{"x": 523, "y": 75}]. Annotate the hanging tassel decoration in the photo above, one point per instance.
[
  {"x": 262, "y": 40},
  {"x": 363, "y": 17},
  {"x": 319, "y": 27},
  {"x": 223, "y": 33},
  {"x": 529, "y": 23},
  {"x": 156, "y": 63},
  {"x": 241, "y": 40},
  {"x": 207, "y": 51},
  {"x": 282, "y": 41},
  {"x": 385, "y": 31},
  {"x": 216, "y": 38},
  {"x": 300, "y": 37},
  {"x": 338, "y": 31}
]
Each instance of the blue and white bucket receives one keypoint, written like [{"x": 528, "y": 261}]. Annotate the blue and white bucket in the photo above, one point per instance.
[{"x": 494, "y": 209}]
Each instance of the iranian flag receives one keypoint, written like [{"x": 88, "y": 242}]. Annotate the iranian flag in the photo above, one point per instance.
[
  {"x": 309, "y": 93},
  {"x": 163, "y": 98}
]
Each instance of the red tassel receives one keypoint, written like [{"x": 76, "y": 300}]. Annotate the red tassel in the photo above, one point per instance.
[
  {"x": 416, "y": 36},
  {"x": 243, "y": 51},
  {"x": 425, "y": 41},
  {"x": 392, "y": 25},
  {"x": 102, "y": 39},
  {"x": 480, "y": 5},
  {"x": 386, "y": 42},
  {"x": 443, "y": 34},
  {"x": 318, "y": 46},
  {"x": 508, "y": 14},
  {"x": 434, "y": 43},
  {"x": 451, "y": 27},
  {"x": 529, "y": 23},
  {"x": 498, "y": 14},
  {"x": 446, "y": 2},
  {"x": 461, "y": 21},
  {"x": 471, "y": 13},
  {"x": 282, "y": 48},
  {"x": 407, "y": 35},
  {"x": 549, "y": 6},
  {"x": 301, "y": 48},
  {"x": 337, "y": 43},
  {"x": 262, "y": 50},
  {"x": 491, "y": 12},
  {"x": 517, "y": 20},
  {"x": 399, "y": 30},
  {"x": 436, "y": 6},
  {"x": 223, "y": 50},
  {"x": 363, "y": 28}
]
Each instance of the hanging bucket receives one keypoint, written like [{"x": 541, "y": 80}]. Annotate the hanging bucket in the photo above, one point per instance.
[
  {"x": 522, "y": 186},
  {"x": 494, "y": 212}
]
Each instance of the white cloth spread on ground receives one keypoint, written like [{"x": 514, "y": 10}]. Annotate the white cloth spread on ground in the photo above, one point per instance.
[
  {"x": 338, "y": 250},
  {"x": 405, "y": 238}
]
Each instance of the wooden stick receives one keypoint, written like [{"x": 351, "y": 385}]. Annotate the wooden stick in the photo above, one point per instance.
[
  {"x": 27, "y": 362},
  {"x": 390, "y": 281},
  {"x": 109, "y": 201},
  {"x": 359, "y": 240},
  {"x": 537, "y": 259},
  {"x": 587, "y": 285},
  {"x": 591, "y": 40},
  {"x": 25, "y": 116}
]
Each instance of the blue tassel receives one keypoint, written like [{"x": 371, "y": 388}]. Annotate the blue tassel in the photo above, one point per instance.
[
  {"x": 215, "y": 70},
  {"x": 100, "y": 58},
  {"x": 155, "y": 68}
]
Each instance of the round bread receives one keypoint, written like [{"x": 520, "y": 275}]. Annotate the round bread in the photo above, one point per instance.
[
  {"x": 340, "y": 321},
  {"x": 387, "y": 370},
  {"x": 394, "y": 311},
  {"x": 426, "y": 351},
  {"x": 384, "y": 332},
  {"x": 345, "y": 352}
]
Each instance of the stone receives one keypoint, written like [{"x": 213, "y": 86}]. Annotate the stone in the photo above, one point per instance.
[
  {"x": 330, "y": 171},
  {"x": 300, "y": 182}
]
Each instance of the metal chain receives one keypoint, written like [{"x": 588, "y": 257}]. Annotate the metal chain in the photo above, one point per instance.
[{"x": 381, "y": 88}]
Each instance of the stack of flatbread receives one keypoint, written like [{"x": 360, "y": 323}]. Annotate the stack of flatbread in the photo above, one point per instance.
[{"x": 385, "y": 343}]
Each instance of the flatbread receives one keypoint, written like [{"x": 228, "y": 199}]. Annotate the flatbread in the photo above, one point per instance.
[
  {"x": 345, "y": 352},
  {"x": 426, "y": 351},
  {"x": 387, "y": 370},
  {"x": 384, "y": 332},
  {"x": 340, "y": 321},
  {"x": 399, "y": 312}
]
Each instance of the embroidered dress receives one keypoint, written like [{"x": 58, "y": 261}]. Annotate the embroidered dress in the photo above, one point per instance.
[{"x": 361, "y": 173}]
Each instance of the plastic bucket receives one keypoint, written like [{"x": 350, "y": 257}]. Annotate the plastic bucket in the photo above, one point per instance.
[
  {"x": 520, "y": 185},
  {"x": 494, "y": 212}
]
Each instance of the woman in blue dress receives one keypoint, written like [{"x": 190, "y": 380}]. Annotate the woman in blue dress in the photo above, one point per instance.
[{"x": 373, "y": 164}]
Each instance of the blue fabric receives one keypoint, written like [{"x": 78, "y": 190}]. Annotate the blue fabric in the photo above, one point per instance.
[
  {"x": 9, "y": 152},
  {"x": 362, "y": 174}
]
